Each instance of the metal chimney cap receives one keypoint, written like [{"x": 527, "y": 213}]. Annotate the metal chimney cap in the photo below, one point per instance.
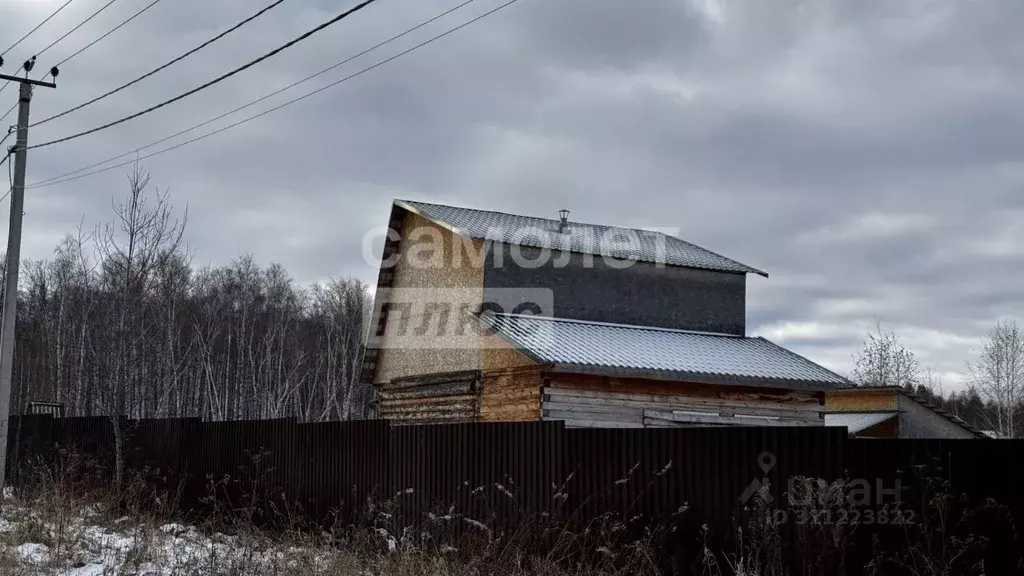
[{"x": 563, "y": 225}]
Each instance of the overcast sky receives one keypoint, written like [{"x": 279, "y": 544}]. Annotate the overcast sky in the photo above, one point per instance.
[{"x": 866, "y": 153}]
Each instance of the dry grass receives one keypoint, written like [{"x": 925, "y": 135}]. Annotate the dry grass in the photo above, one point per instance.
[{"x": 61, "y": 521}]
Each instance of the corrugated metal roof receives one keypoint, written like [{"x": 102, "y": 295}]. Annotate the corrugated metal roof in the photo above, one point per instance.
[
  {"x": 623, "y": 243},
  {"x": 656, "y": 352},
  {"x": 857, "y": 421}
]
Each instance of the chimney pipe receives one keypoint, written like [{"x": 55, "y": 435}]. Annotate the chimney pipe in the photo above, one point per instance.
[{"x": 563, "y": 225}]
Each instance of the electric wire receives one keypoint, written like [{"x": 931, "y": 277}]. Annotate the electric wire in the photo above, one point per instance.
[
  {"x": 32, "y": 31},
  {"x": 72, "y": 31},
  {"x": 66, "y": 34},
  {"x": 266, "y": 96},
  {"x": 9, "y": 110},
  {"x": 159, "y": 68},
  {"x": 206, "y": 85},
  {"x": 61, "y": 180},
  {"x": 10, "y": 178},
  {"x": 22, "y": 39},
  {"x": 109, "y": 32}
]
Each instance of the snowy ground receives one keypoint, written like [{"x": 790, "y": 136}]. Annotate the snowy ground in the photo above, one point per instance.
[
  {"x": 88, "y": 544},
  {"x": 54, "y": 534}
]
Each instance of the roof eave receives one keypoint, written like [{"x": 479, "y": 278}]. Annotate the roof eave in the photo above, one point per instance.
[
  {"x": 442, "y": 223},
  {"x": 491, "y": 326},
  {"x": 695, "y": 377},
  {"x": 844, "y": 382}
]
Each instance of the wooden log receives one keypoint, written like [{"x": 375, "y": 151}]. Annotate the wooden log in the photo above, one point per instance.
[
  {"x": 461, "y": 377},
  {"x": 600, "y": 424},
  {"x": 647, "y": 400},
  {"x": 426, "y": 392},
  {"x": 570, "y": 403},
  {"x": 669, "y": 417},
  {"x": 632, "y": 417}
]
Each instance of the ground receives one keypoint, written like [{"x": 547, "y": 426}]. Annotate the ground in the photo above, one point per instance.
[{"x": 38, "y": 539}]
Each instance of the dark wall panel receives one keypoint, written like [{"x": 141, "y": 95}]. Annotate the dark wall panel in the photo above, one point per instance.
[{"x": 590, "y": 288}]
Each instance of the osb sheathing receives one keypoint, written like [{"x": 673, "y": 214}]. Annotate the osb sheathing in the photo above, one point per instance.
[
  {"x": 511, "y": 395},
  {"x": 455, "y": 270},
  {"x": 860, "y": 401}
]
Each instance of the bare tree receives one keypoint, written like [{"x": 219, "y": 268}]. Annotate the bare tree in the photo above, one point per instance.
[
  {"x": 120, "y": 325},
  {"x": 142, "y": 236},
  {"x": 884, "y": 361},
  {"x": 998, "y": 375},
  {"x": 933, "y": 383}
]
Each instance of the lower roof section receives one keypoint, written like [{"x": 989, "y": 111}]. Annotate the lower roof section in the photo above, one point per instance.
[
  {"x": 644, "y": 352},
  {"x": 857, "y": 421}
]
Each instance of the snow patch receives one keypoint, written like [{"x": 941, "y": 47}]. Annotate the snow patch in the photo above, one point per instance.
[
  {"x": 87, "y": 570},
  {"x": 88, "y": 549},
  {"x": 36, "y": 553},
  {"x": 173, "y": 529}
]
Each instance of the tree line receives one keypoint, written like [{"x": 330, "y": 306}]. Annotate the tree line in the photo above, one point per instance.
[
  {"x": 992, "y": 394},
  {"x": 118, "y": 322}
]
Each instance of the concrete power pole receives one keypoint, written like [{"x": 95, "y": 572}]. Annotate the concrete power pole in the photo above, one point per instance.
[{"x": 10, "y": 310}]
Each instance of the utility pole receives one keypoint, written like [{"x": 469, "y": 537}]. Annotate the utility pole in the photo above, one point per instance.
[{"x": 10, "y": 311}]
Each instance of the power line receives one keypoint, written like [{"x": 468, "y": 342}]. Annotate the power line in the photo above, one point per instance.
[
  {"x": 61, "y": 179},
  {"x": 220, "y": 78},
  {"x": 111, "y": 31},
  {"x": 68, "y": 33},
  {"x": 10, "y": 178},
  {"x": 158, "y": 69},
  {"x": 9, "y": 110},
  {"x": 22, "y": 39},
  {"x": 32, "y": 31},
  {"x": 72, "y": 31},
  {"x": 266, "y": 96}
]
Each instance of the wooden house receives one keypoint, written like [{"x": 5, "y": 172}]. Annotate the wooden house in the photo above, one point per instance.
[{"x": 488, "y": 316}]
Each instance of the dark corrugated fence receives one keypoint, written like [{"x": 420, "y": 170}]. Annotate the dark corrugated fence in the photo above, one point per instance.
[{"x": 504, "y": 474}]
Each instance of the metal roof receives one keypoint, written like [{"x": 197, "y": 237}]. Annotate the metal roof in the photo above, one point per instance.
[
  {"x": 857, "y": 421},
  {"x": 623, "y": 243},
  {"x": 640, "y": 351}
]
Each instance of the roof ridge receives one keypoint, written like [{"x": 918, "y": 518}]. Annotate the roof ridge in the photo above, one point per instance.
[
  {"x": 619, "y": 325},
  {"x": 552, "y": 220},
  {"x": 412, "y": 203}
]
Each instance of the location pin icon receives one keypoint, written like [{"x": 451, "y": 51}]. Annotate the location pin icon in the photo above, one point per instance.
[{"x": 766, "y": 460}]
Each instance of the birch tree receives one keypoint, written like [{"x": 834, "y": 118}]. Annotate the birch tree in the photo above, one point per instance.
[
  {"x": 884, "y": 361},
  {"x": 142, "y": 237},
  {"x": 118, "y": 323},
  {"x": 998, "y": 375}
]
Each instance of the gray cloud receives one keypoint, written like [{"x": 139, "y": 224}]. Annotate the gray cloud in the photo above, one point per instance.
[{"x": 866, "y": 153}]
